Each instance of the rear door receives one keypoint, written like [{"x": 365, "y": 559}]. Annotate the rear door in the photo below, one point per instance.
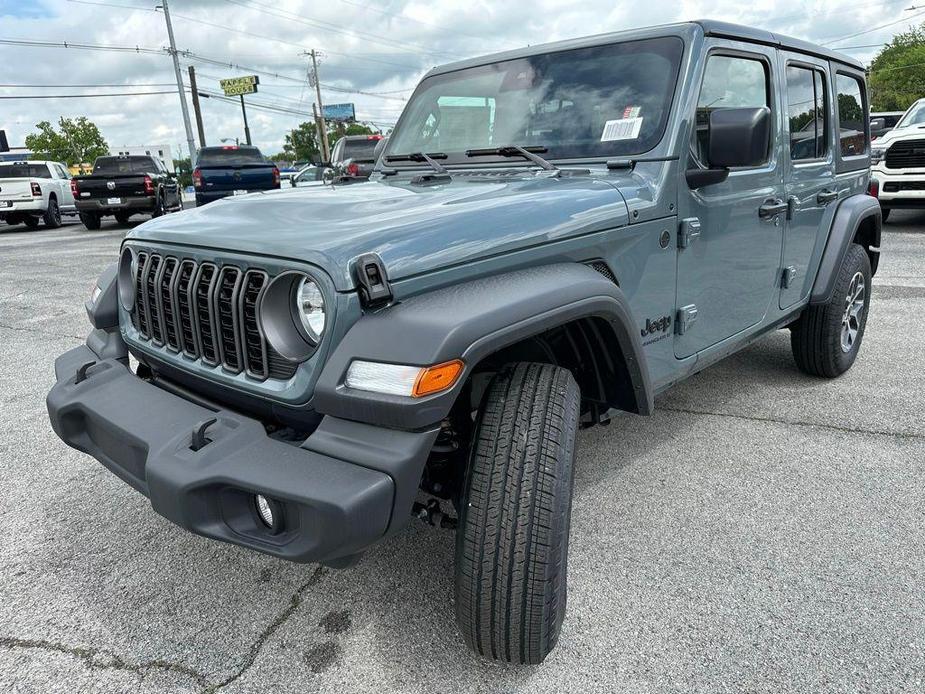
[
  {"x": 810, "y": 184},
  {"x": 727, "y": 276}
]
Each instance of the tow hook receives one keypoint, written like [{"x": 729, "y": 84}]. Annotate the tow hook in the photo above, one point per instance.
[{"x": 431, "y": 513}]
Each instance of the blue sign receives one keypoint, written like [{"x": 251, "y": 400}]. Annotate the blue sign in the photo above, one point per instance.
[{"x": 339, "y": 112}]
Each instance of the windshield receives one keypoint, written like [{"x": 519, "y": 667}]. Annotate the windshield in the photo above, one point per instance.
[
  {"x": 593, "y": 102},
  {"x": 123, "y": 165},
  {"x": 914, "y": 116},
  {"x": 361, "y": 149},
  {"x": 230, "y": 156},
  {"x": 24, "y": 171}
]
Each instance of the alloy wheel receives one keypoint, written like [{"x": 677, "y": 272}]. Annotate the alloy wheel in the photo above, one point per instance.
[{"x": 854, "y": 308}]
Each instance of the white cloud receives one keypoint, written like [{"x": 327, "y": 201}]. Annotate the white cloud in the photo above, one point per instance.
[{"x": 366, "y": 45}]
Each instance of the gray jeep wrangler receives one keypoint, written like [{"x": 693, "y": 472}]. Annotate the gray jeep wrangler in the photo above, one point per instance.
[{"x": 550, "y": 235}]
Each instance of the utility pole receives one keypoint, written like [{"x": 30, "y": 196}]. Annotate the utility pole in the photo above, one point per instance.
[
  {"x": 325, "y": 149},
  {"x": 176, "y": 68},
  {"x": 196, "y": 109}
]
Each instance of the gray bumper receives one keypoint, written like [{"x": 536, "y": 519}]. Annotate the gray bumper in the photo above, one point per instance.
[
  {"x": 101, "y": 206},
  {"x": 345, "y": 487}
]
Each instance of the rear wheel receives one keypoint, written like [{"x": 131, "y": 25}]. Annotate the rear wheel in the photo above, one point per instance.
[
  {"x": 90, "y": 220},
  {"x": 826, "y": 337},
  {"x": 52, "y": 216},
  {"x": 31, "y": 222},
  {"x": 160, "y": 207},
  {"x": 512, "y": 540}
]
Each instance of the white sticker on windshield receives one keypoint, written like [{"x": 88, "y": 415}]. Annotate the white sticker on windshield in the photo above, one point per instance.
[{"x": 621, "y": 129}]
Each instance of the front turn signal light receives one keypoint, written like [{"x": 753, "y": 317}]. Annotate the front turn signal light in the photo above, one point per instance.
[{"x": 436, "y": 378}]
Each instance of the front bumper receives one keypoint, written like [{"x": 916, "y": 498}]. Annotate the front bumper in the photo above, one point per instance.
[
  {"x": 900, "y": 190},
  {"x": 102, "y": 206},
  {"x": 347, "y": 485}
]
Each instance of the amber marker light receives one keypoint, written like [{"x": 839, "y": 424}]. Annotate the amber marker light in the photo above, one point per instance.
[{"x": 436, "y": 378}]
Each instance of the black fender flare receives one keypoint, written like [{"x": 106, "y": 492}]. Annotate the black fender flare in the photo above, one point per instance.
[
  {"x": 470, "y": 321},
  {"x": 849, "y": 216}
]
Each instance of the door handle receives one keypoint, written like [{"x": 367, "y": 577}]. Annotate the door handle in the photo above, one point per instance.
[
  {"x": 772, "y": 208},
  {"x": 827, "y": 196}
]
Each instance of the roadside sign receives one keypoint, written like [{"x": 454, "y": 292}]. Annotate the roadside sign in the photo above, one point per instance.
[
  {"x": 238, "y": 86},
  {"x": 344, "y": 113}
]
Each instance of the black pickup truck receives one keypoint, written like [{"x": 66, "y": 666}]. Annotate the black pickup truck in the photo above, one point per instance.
[
  {"x": 232, "y": 170},
  {"x": 125, "y": 185}
]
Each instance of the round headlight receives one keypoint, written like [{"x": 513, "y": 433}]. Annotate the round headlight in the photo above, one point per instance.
[
  {"x": 128, "y": 270},
  {"x": 310, "y": 307}
]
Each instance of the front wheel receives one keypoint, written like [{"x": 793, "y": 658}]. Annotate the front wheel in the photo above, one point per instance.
[
  {"x": 885, "y": 212},
  {"x": 512, "y": 540},
  {"x": 826, "y": 337},
  {"x": 123, "y": 217},
  {"x": 31, "y": 222},
  {"x": 160, "y": 207}
]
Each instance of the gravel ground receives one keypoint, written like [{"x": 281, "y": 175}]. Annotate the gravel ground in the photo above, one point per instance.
[{"x": 762, "y": 532}]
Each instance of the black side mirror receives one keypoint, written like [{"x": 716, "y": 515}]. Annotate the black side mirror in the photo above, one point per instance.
[
  {"x": 877, "y": 124},
  {"x": 736, "y": 137}
]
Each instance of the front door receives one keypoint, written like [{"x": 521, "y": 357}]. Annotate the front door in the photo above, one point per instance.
[
  {"x": 728, "y": 275},
  {"x": 810, "y": 188}
]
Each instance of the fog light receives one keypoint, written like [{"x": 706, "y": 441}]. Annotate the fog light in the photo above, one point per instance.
[{"x": 269, "y": 512}]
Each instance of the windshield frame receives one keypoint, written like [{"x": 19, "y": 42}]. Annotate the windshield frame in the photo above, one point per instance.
[
  {"x": 917, "y": 108},
  {"x": 455, "y": 161}
]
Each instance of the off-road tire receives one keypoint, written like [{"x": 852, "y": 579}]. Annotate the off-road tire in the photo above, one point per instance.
[
  {"x": 885, "y": 213},
  {"x": 90, "y": 220},
  {"x": 123, "y": 218},
  {"x": 31, "y": 222},
  {"x": 512, "y": 539},
  {"x": 52, "y": 216},
  {"x": 816, "y": 337},
  {"x": 160, "y": 207}
]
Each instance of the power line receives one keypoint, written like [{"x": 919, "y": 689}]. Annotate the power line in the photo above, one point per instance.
[
  {"x": 876, "y": 28},
  {"x": 398, "y": 15},
  {"x": 83, "y": 86},
  {"x": 82, "y": 96},
  {"x": 81, "y": 46}
]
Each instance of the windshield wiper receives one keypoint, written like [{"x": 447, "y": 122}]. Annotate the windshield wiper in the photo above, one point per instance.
[
  {"x": 529, "y": 153},
  {"x": 421, "y": 157}
]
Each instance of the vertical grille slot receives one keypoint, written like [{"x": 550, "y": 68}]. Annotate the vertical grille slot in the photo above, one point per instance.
[
  {"x": 139, "y": 315},
  {"x": 167, "y": 303},
  {"x": 205, "y": 321},
  {"x": 253, "y": 346},
  {"x": 226, "y": 318},
  {"x": 150, "y": 286},
  {"x": 183, "y": 289}
]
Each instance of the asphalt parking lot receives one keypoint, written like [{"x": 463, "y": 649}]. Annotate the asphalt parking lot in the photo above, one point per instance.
[{"x": 762, "y": 532}]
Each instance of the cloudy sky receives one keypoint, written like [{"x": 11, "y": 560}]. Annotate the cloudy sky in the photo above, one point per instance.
[{"x": 373, "y": 51}]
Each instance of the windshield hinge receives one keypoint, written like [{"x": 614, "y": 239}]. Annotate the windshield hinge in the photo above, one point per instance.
[
  {"x": 373, "y": 280},
  {"x": 688, "y": 231}
]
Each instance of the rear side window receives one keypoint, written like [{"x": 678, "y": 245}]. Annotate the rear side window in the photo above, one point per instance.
[
  {"x": 230, "y": 156},
  {"x": 24, "y": 171},
  {"x": 728, "y": 82},
  {"x": 806, "y": 113},
  {"x": 851, "y": 120},
  {"x": 124, "y": 165}
]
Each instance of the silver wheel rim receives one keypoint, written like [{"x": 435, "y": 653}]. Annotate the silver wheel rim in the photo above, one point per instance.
[{"x": 854, "y": 308}]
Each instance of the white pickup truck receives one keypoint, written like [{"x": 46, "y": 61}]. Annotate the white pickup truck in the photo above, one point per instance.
[
  {"x": 897, "y": 162},
  {"x": 35, "y": 191}
]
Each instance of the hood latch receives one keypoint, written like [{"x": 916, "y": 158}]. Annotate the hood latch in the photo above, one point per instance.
[{"x": 373, "y": 281}]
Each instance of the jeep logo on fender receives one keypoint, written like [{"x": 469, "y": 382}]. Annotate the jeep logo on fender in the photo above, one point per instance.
[{"x": 659, "y": 325}]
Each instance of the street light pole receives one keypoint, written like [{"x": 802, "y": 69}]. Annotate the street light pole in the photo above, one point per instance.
[{"x": 176, "y": 68}]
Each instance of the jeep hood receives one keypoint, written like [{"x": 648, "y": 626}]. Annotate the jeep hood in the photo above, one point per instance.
[{"x": 414, "y": 228}]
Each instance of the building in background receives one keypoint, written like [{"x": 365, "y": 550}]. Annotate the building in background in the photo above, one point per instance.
[{"x": 164, "y": 152}]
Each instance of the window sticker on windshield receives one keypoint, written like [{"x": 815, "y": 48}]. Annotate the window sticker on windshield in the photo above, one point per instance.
[
  {"x": 621, "y": 129},
  {"x": 631, "y": 112}
]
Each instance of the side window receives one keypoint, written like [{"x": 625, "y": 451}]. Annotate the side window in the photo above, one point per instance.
[
  {"x": 728, "y": 82},
  {"x": 806, "y": 113},
  {"x": 851, "y": 135}
]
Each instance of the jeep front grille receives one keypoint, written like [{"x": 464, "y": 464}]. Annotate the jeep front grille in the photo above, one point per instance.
[
  {"x": 206, "y": 313},
  {"x": 909, "y": 154}
]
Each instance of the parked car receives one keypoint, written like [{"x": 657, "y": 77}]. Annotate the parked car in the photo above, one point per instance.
[
  {"x": 354, "y": 157},
  {"x": 311, "y": 176},
  {"x": 122, "y": 186},
  {"x": 883, "y": 122},
  {"x": 553, "y": 235},
  {"x": 232, "y": 170},
  {"x": 35, "y": 191},
  {"x": 898, "y": 163}
]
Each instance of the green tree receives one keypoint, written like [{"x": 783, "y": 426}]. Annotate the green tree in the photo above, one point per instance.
[
  {"x": 303, "y": 143},
  {"x": 896, "y": 76},
  {"x": 77, "y": 140},
  {"x": 184, "y": 172}
]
